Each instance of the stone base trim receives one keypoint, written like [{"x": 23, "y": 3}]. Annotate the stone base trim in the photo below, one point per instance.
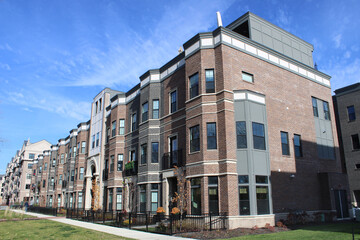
[{"x": 250, "y": 221}]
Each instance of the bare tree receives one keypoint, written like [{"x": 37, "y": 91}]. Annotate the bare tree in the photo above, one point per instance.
[{"x": 181, "y": 196}]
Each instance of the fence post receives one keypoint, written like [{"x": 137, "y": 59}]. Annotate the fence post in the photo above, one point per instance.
[
  {"x": 210, "y": 222},
  {"x": 129, "y": 220}
]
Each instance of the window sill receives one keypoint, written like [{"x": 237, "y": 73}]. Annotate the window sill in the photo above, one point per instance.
[{"x": 191, "y": 153}]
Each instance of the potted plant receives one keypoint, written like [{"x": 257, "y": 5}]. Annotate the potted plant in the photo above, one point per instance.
[
  {"x": 160, "y": 213},
  {"x": 176, "y": 213}
]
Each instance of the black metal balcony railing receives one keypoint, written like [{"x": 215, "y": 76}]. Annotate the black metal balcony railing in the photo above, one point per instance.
[
  {"x": 171, "y": 159},
  {"x": 131, "y": 168}
]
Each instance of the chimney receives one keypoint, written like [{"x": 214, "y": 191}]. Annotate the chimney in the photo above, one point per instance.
[{"x": 219, "y": 21}]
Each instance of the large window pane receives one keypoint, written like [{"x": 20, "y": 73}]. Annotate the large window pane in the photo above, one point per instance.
[
  {"x": 297, "y": 145},
  {"x": 262, "y": 200},
  {"x": 285, "y": 143},
  {"x": 143, "y": 153},
  {"x": 173, "y": 101},
  {"x": 351, "y": 113},
  {"x": 155, "y": 114},
  {"x": 194, "y": 139},
  {"x": 258, "y": 136},
  {"x": 113, "y": 129},
  {"x": 244, "y": 200},
  {"x": 211, "y": 136},
  {"x": 121, "y": 126},
  {"x": 145, "y": 110},
  {"x": 241, "y": 134},
  {"x": 326, "y": 110},
  {"x": 194, "y": 85},
  {"x": 154, "y": 152},
  {"x": 210, "y": 83},
  {"x": 315, "y": 107}
]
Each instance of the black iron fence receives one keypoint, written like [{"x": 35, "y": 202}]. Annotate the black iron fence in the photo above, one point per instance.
[
  {"x": 43, "y": 210},
  {"x": 166, "y": 224}
]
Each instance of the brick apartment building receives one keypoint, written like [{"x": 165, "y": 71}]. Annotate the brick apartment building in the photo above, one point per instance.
[
  {"x": 347, "y": 112},
  {"x": 244, "y": 112}
]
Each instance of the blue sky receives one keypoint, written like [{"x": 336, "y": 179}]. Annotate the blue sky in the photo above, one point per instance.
[{"x": 55, "y": 56}]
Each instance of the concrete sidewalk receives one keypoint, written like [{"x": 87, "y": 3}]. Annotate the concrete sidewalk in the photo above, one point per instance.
[{"x": 122, "y": 232}]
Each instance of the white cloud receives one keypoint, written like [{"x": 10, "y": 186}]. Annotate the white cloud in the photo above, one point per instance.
[
  {"x": 343, "y": 72},
  {"x": 5, "y": 66},
  {"x": 49, "y": 102},
  {"x": 337, "y": 40},
  {"x": 124, "y": 61}
]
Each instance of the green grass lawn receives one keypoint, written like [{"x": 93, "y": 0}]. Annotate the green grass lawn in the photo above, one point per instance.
[
  {"x": 9, "y": 215},
  {"x": 337, "y": 231},
  {"x": 46, "y": 229}
]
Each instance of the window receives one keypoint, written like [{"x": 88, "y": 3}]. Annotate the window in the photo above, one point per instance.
[
  {"x": 297, "y": 145},
  {"x": 315, "y": 107},
  {"x": 155, "y": 152},
  {"x": 96, "y": 107},
  {"x": 194, "y": 139},
  {"x": 59, "y": 201},
  {"x": 211, "y": 136},
  {"x": 100, "y": 100},
  {"x": 118, "y": 198},
  {"x": 196, "y": 196},
  {"x": 27, "y": 186},
  {"x": 74, "y": 150},
  {"x": 121, "y": 126},
  {"x": 81, "y": 174},
  {"x": 209, "y": 79},
  {"x": 72, "y": 175},
  {"x": 261, "y": 179},
  {"x": 357, "y": 166},
  {"x": 70, "y": 151},
  {"x": 107, "y": 135},
  {"x": 155, "y": 114},
  {"x": 143, "y": 153},
  {"x": 285, "y": 143},
  {"x": 258, "y": 136},
  {"x": 244, "y": 196},
  {"x": 40, "y": 169},
  {"x": 93, "y": 141},
  {"x": 241, "y": 134},
  {"x": 144, "y": 112},
  {"x": 326, "y": 110},
  {"x": 173, "y": 100},
  {"x": 355, "y": 141},
  {"x": 45, "y": 166},
  {"x": 80, "y": 200},
  {"x": 112, "y": 162},
  {"x": 247, "y": 77},
  {"x": 28, "y": 176},
  {"x": 83, "y": 146},
  {"x": 113, "y": 129},
  {"x": 60, "y": 179},
  {"x": 351, "y": 113},
  {"x": 62, "y": 158},
  {"x": 133, "y": 122},
  {"x": 53, "y": 162},
  {"x": 213, "y": 195},
  {"x": 52, "y": 183},
  {"x": 154, "y": 197},
  {"x": 194, "y": 85},
  {"x": 110, "y": 199},
  {"x": 30, "y": 166},
  {"x": 97, "y": 139},
  {"x": 120, "y": 162},
  {"x": 31, "y": 155},
  {"x": 262, "y": 200},
  {"x": 44, "y": 183},
  {"x": 78, "y": 147},
  {"x": 132, "y": 155},
  {"x": 142, "y": 198}
]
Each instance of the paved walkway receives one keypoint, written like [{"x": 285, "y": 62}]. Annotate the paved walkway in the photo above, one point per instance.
[{"x": 123, "y": 232}]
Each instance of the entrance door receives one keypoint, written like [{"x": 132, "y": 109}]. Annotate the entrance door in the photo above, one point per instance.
[
  {"x": 341, "y": 204},
  {"x": 173, "y": 150},
  {"x": 172, "y": 190}
]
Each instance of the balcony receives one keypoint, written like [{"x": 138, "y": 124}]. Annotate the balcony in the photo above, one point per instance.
[
  {"x": 172, "y": 159},
  {"x": 131, "y": 168}
]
